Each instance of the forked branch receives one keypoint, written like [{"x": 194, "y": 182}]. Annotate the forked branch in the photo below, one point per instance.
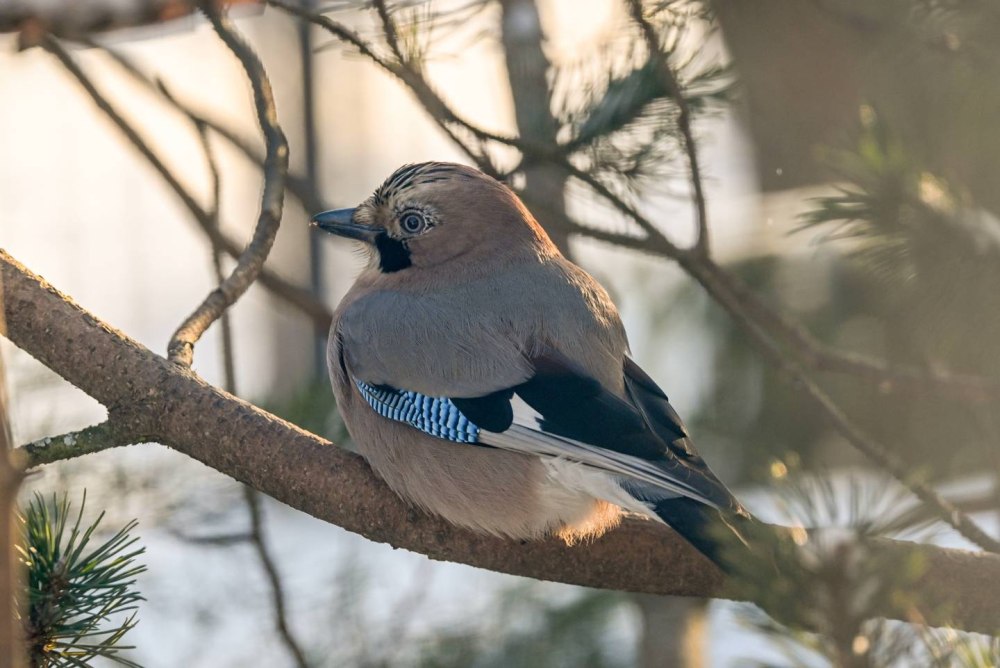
[
  {"x": 314, "y": 476},
  {"x": 251, "y": 260}
]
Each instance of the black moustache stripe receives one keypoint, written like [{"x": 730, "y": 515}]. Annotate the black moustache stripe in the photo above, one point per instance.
[{"x": 392, "y": 253}]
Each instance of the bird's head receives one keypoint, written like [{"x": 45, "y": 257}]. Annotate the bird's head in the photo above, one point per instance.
[{"x": 433, "y": 214}]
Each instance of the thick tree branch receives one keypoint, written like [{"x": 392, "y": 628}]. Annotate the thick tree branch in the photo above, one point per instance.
[
  {"x": 314, "y": 476},
  {"x": 251, "y": 260}
]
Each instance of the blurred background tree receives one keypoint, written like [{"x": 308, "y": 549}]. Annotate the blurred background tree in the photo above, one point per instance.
[{"x": 847, "y": 156}]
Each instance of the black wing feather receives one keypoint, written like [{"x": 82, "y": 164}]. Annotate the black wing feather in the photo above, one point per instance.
[
  {"x": 574, "y": 405},
  {"x": 491, "y": 412},
  {"x": 661, "y": 417}
]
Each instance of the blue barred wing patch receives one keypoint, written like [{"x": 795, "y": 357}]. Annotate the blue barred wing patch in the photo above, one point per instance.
[{"x": 436, "y": 416}]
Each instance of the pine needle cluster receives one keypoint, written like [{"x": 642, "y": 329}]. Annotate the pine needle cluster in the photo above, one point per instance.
[{"x": 80, "y": 594}]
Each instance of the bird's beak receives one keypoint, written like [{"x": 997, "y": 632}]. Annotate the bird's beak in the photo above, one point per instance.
[{"x": 341, "y": 223}]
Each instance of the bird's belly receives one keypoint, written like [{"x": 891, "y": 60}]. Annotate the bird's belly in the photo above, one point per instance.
[{"x": 480, "y": 488}]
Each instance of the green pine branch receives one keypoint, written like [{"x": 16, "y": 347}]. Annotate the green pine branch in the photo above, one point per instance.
[{"x": 80, "y": 594}]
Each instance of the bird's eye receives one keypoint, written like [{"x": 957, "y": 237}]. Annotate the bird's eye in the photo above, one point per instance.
[{"x": 412, "y": 222}]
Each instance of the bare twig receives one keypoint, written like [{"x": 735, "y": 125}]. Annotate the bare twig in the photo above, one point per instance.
[
  {"x": 251, "y": 260},
  {"x": 298, "y": 185},
  {"x": 310, "y": 165},
  {"x": 440, "y": 112},
  {"x": 716, "y": 284},
  {"x": 338, "y": 30},
  {"x": 296, "y": 296},
  {"x": 213, "y": 540},
  {"x": 108, "y": 434},
  {"x": 252, "y": 498},
  {"x": 389, "y": 28},
  {"x": 817, "y": 355},
  {"x": 226, "y": 321},
  {"x": 670, "y": 81}
]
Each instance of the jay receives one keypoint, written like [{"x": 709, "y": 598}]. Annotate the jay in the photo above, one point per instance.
[{"x": 487, "y": 379}]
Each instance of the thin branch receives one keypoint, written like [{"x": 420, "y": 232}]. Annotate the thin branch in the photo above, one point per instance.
[
  {"x": 309, "y": 474},
  {"x": 212, "y": 540},
  {"x": 338, "y": 30},
  {"x": 108, "y": 434},
  {"x": 296, "y": 296},
  {"x": 439, "y": 112},
  {"x": 389, "y": 28},
  {"x": 226, "y": 321},
  {"x": 817, "y": 355},
  {"x": 671, "y": 82},
  {"x": 252, "y": 498},
  {"x": 311, "y": 168},
  {"x": 250, "y": 262},
  {"x": 715, "y": 283},
  {"x": 298, "y": 185}
]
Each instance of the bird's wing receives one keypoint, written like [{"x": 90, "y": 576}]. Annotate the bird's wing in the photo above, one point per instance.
[
  {"x": 427, "y": 345},
  {"x": 563, "y": 415}
]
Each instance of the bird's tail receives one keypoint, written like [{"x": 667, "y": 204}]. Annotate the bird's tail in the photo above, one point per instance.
[{"x": 721, "y": 535}]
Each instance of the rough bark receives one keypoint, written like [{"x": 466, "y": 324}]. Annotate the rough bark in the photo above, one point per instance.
[{"x": 171, "y": 405}]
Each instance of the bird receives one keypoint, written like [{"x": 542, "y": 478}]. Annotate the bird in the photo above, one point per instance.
[{"x": 488, "y": 379}]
